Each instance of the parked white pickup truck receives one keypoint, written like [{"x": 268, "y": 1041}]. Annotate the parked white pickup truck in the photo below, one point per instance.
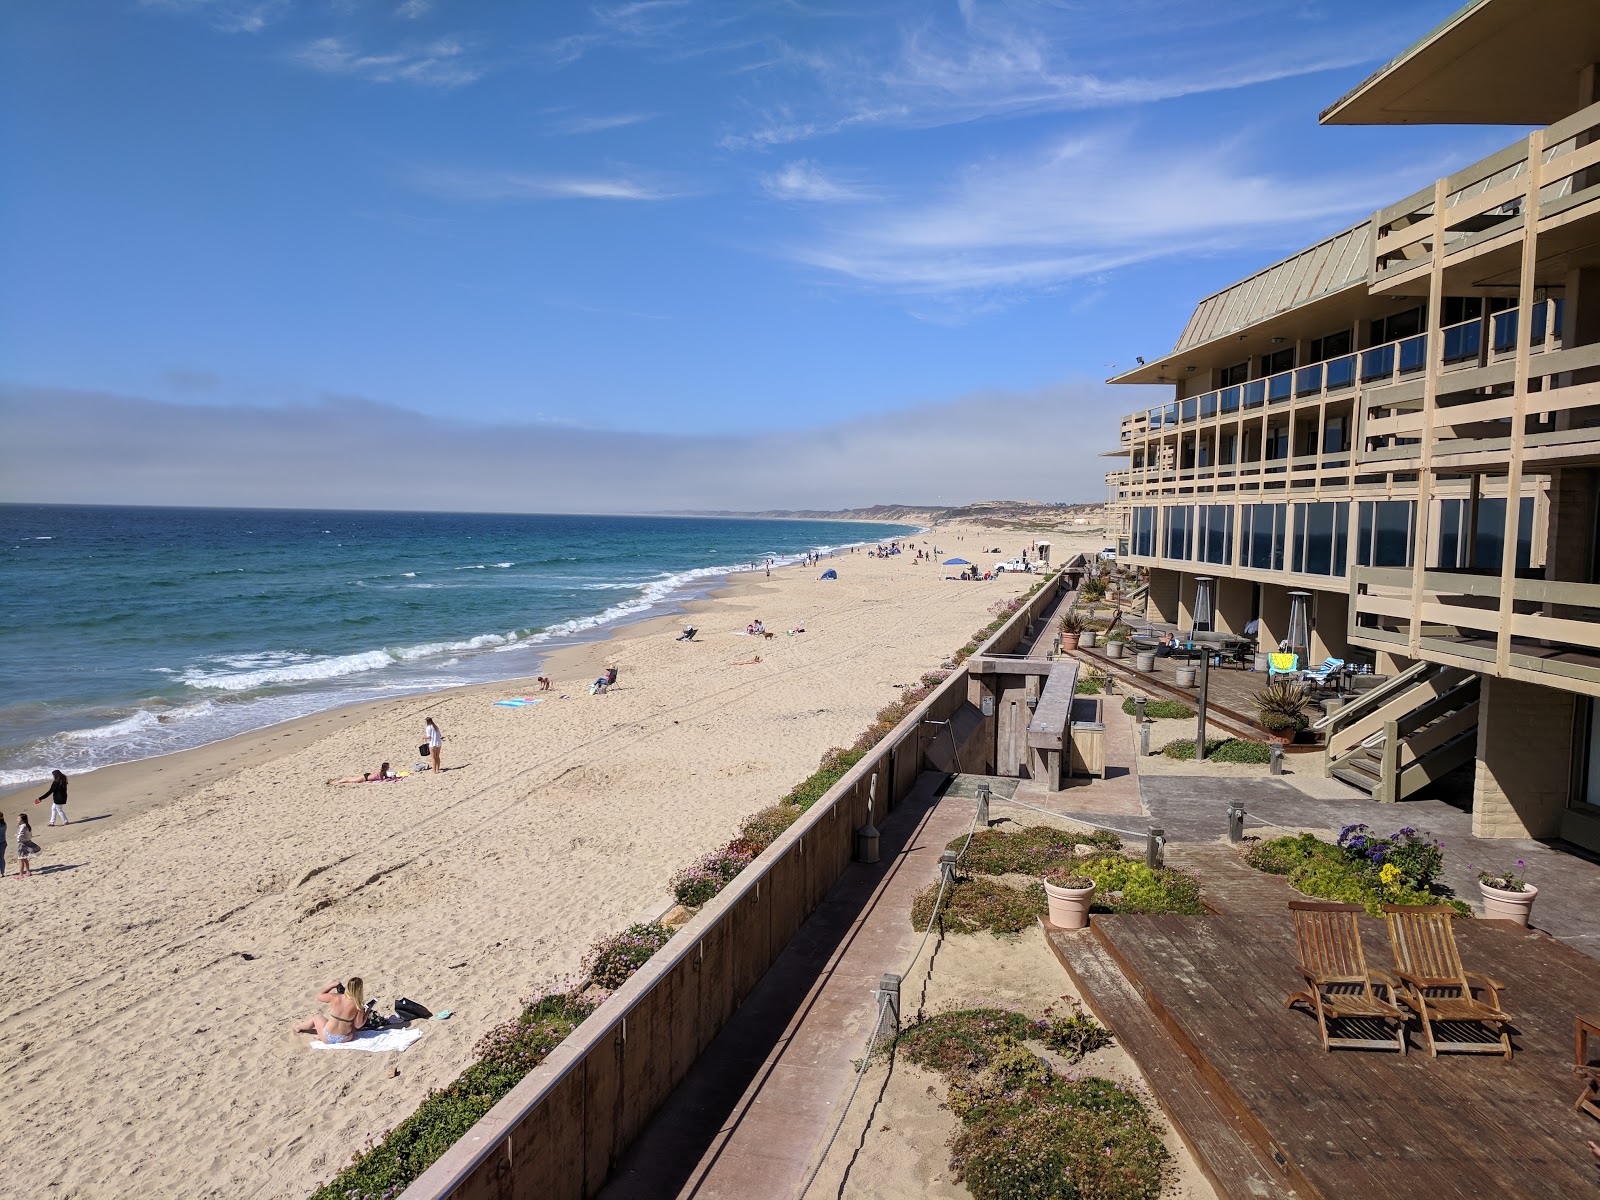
[{"x": 1012, "y": 564}]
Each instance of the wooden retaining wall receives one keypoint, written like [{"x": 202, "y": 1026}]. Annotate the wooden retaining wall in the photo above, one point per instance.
[{"x": 556, "y": 1135}]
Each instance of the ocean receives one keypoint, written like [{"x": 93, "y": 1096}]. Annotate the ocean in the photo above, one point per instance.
[{"x": 132, "y": 632}]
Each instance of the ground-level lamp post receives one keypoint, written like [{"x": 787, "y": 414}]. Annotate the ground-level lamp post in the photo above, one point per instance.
[{"x": 1202, "y": 624}]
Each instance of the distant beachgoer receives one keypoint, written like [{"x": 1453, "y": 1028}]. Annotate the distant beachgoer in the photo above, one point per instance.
[
  {"x": 747, "y": 662},
  {"x": 599, "y": 686},
  {"x": 687, "y": 635},
  {"x": 435, "y": 741},
  {"x": 57, "y": 792},
  {"x": 384, "y": 774},
  {"x": 544, "y": 683},
  {"x": 364, "y": 777},
  {"x": 611, "y": 676},
  {"x": 2, "y": 845},
  {"x": 26, "y": 846},
  {"x": 769, "y": 568},
  {"x": 347, "y": 1012}
]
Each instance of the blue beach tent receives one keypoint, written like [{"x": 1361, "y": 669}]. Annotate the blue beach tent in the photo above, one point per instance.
[
  {"x": 830, "y": 573},
  {"x": 956, "y": 562}
]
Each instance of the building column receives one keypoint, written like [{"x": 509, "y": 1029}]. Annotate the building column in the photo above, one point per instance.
[
  {"x": 1524, "y": 769},
  {"x": 1274, "y": 617},
  {"x": 1330, "y": 638},
  {"x": 1233, "y": 605},
  {"x": 1164, "y": 584}
]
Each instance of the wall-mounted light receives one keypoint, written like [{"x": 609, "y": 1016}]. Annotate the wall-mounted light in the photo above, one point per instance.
[{"x": 1278, "y": 341}]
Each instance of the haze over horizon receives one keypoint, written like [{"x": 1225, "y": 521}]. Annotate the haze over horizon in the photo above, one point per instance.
[{"x": 659, "y": 254}]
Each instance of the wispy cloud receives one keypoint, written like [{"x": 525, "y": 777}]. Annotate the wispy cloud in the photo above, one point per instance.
[
  {"x": 493, "y": 185},
  {"x": 228, "y": 16},
  {"x": 1022, "y": 58},
  {"x": 806, "y": 181},
  {"x": 1078, "y": 207},
  {"x": 599, "y": 123},
  {"x": 442, "y": 63},
  {"x": 411, "y": 10}
]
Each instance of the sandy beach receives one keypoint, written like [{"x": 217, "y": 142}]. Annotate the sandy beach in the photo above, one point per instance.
[{"x": 184, "y": 922}]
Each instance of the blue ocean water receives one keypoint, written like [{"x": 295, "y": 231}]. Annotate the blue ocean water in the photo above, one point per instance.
[{"x": 129, "y": 632}]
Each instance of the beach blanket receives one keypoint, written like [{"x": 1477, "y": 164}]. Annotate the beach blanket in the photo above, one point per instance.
[
  {"x": 374, "y": 1041},
  {"x": 518, "y": 702}
]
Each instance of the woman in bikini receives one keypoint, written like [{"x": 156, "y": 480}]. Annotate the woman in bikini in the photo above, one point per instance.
[{"x": 346, "y": 1012}]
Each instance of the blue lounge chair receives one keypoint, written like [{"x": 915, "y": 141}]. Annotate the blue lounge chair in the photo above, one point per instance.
[{"x": 1321, "y": 675}]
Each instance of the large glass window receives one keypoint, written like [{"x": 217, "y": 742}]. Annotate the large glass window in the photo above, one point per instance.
[
  {"x": 1383, "y": 532},
  {"x": 1214, "y": 533},
  {"x": 1180, "y": 532},
  {"x": 1263, "y": 534},
  {"x": 1320, "y": 532},
  {"x": 1144, "y": 532},
  {"x": 1485, "y": 552}
]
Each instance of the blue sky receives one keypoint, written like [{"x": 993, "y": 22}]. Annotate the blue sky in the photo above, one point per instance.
[{"x": 665, "y": 216}]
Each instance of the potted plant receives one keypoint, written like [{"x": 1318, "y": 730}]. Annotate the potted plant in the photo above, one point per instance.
[
  {"x": 1281, "y": 710},
  {"x": 1116, "y": 640},
  {"x": 1507, "y": 896},
  {"x": 1071, "y": 630},
  {"x": 1069, "y": 895}
]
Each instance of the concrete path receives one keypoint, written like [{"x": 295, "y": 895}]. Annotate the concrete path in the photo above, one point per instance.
[{"x": 752, "y": 1115}]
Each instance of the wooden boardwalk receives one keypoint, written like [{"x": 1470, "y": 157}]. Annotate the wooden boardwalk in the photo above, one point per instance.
[{"x": 1198, "y": 1001}]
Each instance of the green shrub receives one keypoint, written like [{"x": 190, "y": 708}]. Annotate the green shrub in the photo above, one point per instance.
[
  {"x": 1028, "y": 851},
  {"x": 979, "y": 903},
  {"x": 1160, "y": 710},
  {"x": 1279, "y": 856},
  {"x": 612, "y": 960},
  {"x": 1072, "y": 1035},
  {"x": 835, "y": 764},
  {"x": 959, "y": 1042},
  {"x": 1089, "y": 686},
  {"x": 506, "y": 1054},
  {"x": 762, "y": 828},
  {"x": 1363, "y": 869},
  {"x": 1224, "y": 750},
  {"x": 1125, "y": 885},
  {"x": 1083, "y": 1139}
]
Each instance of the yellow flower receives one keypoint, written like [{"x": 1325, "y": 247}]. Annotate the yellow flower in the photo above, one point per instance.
[{"x": 1389, "y": 874}]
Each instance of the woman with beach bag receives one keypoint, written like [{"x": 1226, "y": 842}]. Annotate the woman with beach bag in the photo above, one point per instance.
[{"x": 435, "y": 740}]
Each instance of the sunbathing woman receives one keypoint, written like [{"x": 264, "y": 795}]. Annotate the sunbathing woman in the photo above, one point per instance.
[{"x": 346, "y": 1012}]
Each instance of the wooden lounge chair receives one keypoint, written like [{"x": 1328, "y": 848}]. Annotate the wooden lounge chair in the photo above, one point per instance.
[
  {"x": 1437, "y": 987},
  {"x": 1339, "y": 984}
]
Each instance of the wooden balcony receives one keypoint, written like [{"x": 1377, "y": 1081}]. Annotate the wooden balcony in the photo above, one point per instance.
[{"x": 1550, "y": 635}]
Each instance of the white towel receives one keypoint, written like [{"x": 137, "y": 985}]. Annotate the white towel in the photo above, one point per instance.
[{"x": 375, "y": 1041}]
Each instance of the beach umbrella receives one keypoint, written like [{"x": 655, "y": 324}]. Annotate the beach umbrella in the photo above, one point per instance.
[{"x": 956, "y": 562}]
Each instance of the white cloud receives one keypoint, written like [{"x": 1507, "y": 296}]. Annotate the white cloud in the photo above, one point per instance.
[
  {"x": 599, "y": 123},
  {"x": 1080, "y": 206},
  {"x": 442, "y": 63},
  {"x": 804, "y": 180},
  {"x": 227, "y": 16},
  {"x": 518, "y": 185},
  {"x": 410, "y": 10}
]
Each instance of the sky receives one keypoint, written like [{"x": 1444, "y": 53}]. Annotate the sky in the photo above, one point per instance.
[{"x": 685, "y": 240}]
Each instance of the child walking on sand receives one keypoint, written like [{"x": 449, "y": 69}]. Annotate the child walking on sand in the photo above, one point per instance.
[{"x": 26, "y": 846}]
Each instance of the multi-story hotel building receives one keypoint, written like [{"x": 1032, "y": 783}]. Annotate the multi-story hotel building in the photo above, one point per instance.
[{"x": 1401, "y": 423}]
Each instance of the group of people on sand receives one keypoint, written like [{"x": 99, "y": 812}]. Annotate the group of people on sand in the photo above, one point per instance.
[{"x": 433, "y": 747}]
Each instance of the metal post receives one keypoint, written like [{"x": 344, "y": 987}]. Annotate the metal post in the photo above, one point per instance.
[
  {"x": 1144, "y": 739},
  {"x": 1138, "y": 708},
  {"x": 1236, "y": 822},
  {"x": 983, "y": 806},
  {"x": 1154, "y": 844},
  {"x": 889, "y": 996},
  {"x": 1205, "y": 684},
  {"x": 1275, "y": 766}
]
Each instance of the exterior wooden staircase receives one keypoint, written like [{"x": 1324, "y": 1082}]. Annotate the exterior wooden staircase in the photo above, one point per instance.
[{"x": 1406, "y": 734}]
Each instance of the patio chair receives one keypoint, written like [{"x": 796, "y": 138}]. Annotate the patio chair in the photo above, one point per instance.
[
  {"x": 1438, "y": 988},
  {"x": 1282, "y": 664},
  {"x": 1320, "y": 676},
  {"x": 1339, "y": 984}
]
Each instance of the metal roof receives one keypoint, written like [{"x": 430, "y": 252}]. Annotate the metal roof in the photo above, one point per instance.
[{"x": 1327, "y": 267}]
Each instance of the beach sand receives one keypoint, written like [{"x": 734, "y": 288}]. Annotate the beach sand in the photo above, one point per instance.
[{"x": 168, "y": 942}]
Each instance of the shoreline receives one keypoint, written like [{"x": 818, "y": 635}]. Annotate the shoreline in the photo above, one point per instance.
[{"x": 211, "y": 760}]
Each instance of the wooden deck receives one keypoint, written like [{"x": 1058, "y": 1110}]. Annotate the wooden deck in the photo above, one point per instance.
[{"x": 1198, "y": 1001}]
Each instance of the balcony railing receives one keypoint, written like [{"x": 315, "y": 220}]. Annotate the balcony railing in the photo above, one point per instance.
[
  {"x": 1553, "y": 628},
  {"x": 1484, "y": 202}
]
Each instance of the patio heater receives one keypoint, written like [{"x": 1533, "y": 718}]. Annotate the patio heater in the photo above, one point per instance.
[
  {"x": 1300, "y": 626},
  {"x": 1204, "y": 606}
]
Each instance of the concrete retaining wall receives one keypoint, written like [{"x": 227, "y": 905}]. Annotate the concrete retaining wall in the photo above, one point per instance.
[{"x": 556, "y": 1135}]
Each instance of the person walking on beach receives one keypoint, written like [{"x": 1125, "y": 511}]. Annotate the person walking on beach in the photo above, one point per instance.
[
  {"x": 435, "y": 741},
  {"x": 58, "y": 797},
  {"x": 2, "y": 845},
  {"x": 26, "y": 846}
]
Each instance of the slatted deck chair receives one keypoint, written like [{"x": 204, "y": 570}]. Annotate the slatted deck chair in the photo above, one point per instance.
[
  {"x": 1434, "y": 984},
  {"x": 1340, "y": 987}
]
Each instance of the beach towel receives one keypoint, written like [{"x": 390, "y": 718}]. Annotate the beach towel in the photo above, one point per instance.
[
  {"x": 518, "y": 702},
  {"x": 374, "y": 1041}
]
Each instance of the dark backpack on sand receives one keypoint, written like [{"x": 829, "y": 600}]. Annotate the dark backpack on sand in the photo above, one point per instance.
[{"x": 410, "y": 1010}]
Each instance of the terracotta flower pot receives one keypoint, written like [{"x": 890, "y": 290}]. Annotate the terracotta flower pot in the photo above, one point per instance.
[
  {"x": 1282, "y": 737},
  {"x": 1069, "y": 907},
  {"x": 1501, "y": 905},
  {"x": 1069, "y": 641}
]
